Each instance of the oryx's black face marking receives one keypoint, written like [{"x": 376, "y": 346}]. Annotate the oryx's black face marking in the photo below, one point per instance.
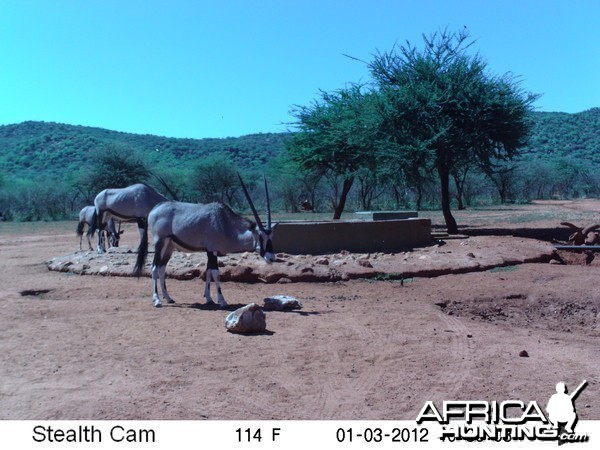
[
  {"x": 113, "y": 239},
  {"x": 265, "y": 234},
  {"x": 265, "y": 245}
]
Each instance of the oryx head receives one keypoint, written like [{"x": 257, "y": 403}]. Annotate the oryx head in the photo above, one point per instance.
[
  {"x": 114, "y": 236},
  {"x": 264, "y": 244}
]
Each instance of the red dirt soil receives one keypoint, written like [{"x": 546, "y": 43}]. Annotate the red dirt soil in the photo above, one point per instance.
[{"x": 93, "y": 347}]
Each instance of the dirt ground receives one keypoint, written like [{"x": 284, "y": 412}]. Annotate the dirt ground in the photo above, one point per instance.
[{"x": 489, "y": 316}]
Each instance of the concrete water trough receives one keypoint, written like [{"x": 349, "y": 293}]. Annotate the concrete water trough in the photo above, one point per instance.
[
  {"x": 385, "y": 215},
  {"x": 356, "y": 236}
]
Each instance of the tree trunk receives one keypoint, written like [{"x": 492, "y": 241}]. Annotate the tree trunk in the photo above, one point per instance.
[
  {"x": 419, "y": 199},
  {"x": 459, "y": 182},
  {"x": 444, "y": 175},
  {"x": 339, "y": 209}
]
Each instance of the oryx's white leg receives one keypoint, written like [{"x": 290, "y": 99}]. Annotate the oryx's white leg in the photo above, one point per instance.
[
  {"x": 207, "y": 296},
  {"x": 212, "y": 271},
  {"x": 100, "y": 224},
  {"x": 158, "y": 276},
  {"x": 162, "y": 275},
  {"x": 162, "y": 253},
  {"x": 100, "y": 243},
  {"x": 220, "y": 298},
  {"x": 155, "y": 296}
]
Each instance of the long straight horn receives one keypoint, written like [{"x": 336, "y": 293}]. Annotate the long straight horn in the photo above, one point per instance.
[
  {"x": 256, "y": 217},
  {"x": 268, "y": 205}
]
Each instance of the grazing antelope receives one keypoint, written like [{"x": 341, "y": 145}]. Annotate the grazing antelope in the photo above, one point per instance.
[
  {"x": 213, "y": 228},
  {"x": 87, "y": 217},
  {"x": 130, "y": 204}
]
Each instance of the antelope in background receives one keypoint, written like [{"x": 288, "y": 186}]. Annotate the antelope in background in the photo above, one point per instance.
[
  {"x": 214, "y": 228},
  {"x": 87, "y": 217},
  {"x": 130, "y": 204}
]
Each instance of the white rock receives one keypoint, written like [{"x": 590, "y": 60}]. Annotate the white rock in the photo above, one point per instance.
[
  {"x": 281, "y": 303},
  {"x": 249, "y": 319}
]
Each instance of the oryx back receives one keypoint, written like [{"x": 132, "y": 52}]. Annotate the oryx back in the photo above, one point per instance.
[
  {"x": 128, "y": 203},
  {"x": 86, "y": 215},
  {"x": 212, "y": 227}
]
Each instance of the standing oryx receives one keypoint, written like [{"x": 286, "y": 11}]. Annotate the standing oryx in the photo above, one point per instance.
[
  {"x": 213, "y": 228},
  {"x": 87, "y": 217},
  {"x": 129, "y": 204}
]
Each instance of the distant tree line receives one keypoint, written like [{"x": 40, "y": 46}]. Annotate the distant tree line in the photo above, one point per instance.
[{"x": 432, "y": 129}]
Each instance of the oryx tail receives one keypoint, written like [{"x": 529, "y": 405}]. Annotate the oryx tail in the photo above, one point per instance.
[
  {"x": 80, "y": 226},
  {"x": 94, "y": 225},
  {"x": 142, "y": 254}
]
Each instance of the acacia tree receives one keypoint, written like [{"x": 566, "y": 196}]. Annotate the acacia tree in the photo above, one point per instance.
[
  {"x": 336, "y": 138},
  {"x": 442, "y": 109},
  {"x": 215, "y": 179},
  {"x": 111, "y": 167}
]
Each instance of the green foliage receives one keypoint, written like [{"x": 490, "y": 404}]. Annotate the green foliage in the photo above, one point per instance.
[
  {"x": 442, "y": 110},
  {"x": 337, "y": 137},
  {"x": 115, "y": 167},
  {"x": 558, "y": 141},
  {"x": 215, "y": 179},
  {"x": 34, "y": 147},
  {"x": 556, "y": 135}
]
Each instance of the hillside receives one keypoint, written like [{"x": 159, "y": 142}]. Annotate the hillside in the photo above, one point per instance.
[
  {"x": 30, "y": 148},
  {"x": 558, "y": 134},
  {"x": 562, "y": 161}
]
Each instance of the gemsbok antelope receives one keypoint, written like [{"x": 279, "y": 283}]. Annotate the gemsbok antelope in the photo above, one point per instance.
[
  {"x": 130, "y": 204},
  {"x": 213, "y": 228},
  {"x": 87, "y": 217}
]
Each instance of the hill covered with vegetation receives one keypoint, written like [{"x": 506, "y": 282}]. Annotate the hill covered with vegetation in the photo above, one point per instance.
[
  {"x": 43, "y": 167},
  {"x": 560, "y": 135},
  {"x": 30, "y": 149}
]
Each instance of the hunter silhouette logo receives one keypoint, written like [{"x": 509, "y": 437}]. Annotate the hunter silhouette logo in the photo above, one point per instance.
[
  {"x": 561, "y": 407},
  {"x": 509, "y": 420}
]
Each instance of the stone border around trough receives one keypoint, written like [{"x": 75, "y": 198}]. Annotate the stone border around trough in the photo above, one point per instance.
[{"x": 453, "y": 256}]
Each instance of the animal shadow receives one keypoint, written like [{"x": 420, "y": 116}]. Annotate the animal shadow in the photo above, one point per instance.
[{"x": 206, "y": 306}]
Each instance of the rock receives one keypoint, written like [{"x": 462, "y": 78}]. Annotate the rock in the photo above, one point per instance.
[
  {"x": 281, "y": 303},
  {"x": 249, "y": 319},
  {"x": 364, "y": 262},
  {"x": 524, "y": 354}
]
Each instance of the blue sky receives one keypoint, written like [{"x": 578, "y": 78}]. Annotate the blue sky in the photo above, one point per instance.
[{"x": 228, "y": 68}]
